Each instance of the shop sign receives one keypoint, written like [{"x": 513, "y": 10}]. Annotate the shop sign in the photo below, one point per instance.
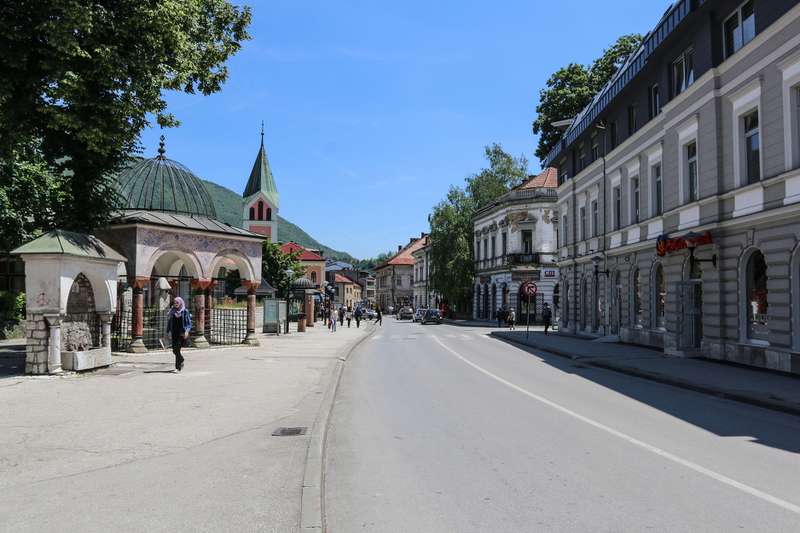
[
  {"x": 532, "y": 276},
  {"x": 550, "y": 273},
  {"x": 664, "y": 244}
]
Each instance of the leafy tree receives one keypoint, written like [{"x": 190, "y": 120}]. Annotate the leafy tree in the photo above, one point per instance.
[
  {"x": 572, "y": 88},
  {"x": 451, "y": 251},
  {"x": 27, "y": 194},
  {"x": 80, "y": 78},
  {"x": 274, "y": 264},
  {"x": 504, "y": 172},
  {"x": 452, "y": 246}
]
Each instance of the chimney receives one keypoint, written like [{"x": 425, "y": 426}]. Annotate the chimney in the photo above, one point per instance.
[{"x": 399, "y": 247}]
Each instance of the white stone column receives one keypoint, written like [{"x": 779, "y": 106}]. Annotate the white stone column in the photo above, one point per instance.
[
  {"x": 54, "y": 362},
  {"x": 105, "y": 318}
]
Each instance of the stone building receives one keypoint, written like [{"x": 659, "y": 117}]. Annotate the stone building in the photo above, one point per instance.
[
  {"x": 394, "y": 278},
  {"x": 679, "y": 188},
  {"x": 514, "y": 245}
]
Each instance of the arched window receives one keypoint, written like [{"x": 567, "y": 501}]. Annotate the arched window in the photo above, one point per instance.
[
  {"x": 756, "y": 297},
  {"x": 636, "y": 290},
  {"x": 260, "y": 210},
  {"x": 252, "y": 213},
  {"x": 269, "y": 213},
  {"x": 659, "y": 293}
]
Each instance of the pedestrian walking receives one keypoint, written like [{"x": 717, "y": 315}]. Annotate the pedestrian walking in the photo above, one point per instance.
[
  {"x": 547, "y": 315},
  {"x": 179, "y": 324},
  {"x": 341, "y": 314},
  {"x": 499, "y": 316},
  {"x": 349, "y": 316},
  {"x": 357, "y": 315},
  {"x": 379, "y": 316},
  {"x": 512, "y": 319},
  {"x": 334, "y": 318}
]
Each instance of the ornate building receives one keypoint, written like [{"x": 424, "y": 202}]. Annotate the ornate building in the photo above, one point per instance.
[{"x": 514, "y": 245}]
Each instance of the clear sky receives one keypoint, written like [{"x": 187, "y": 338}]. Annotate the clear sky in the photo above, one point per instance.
[{"x": 373, "y": 109}]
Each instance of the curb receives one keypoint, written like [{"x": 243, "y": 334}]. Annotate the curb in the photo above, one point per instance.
[
  {"x": 312, "y": 507},
  {"x": 658, "y": 378}
]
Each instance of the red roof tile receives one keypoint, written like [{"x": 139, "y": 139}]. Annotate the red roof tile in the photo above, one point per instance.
[
  {"x": 548, "y": 178},
  {"x": 404, "y": 257},
  {"x": 304, "y": 254}
]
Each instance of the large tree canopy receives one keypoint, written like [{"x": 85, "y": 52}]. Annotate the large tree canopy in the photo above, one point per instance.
[
  {"x": 452, "y": 246},
  {"x": 81, "y": 77},
  {"x": 274, "y": 264},
  {"x": 573, "y": 87}
]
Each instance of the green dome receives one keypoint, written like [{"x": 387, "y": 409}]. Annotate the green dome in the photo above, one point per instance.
[{"x": 164, "y": 186}]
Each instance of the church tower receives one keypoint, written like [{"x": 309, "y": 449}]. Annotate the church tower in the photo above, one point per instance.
[{"x": 260, "y": 206}]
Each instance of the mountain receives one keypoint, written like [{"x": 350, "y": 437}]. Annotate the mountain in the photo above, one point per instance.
[{"x": 228, "y": 205}]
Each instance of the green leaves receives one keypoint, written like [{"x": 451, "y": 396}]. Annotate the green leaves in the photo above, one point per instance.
[
  {"x": 274, "y": 264},
  {"x": 452, "y": 244},
  {"x": 572, "y": 88},
  {"x": 80, "y": 78}
]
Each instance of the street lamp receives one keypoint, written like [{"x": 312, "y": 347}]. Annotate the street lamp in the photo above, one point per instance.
[
  {"x": 288, "y": 287},
  {"x": 691, "y": 239},
  {"x": 596, "y": 260}
]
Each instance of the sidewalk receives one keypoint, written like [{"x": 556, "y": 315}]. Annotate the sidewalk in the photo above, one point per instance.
[
  {"x": 763, "y": 388},
  {"x": 134, "y": 447}
]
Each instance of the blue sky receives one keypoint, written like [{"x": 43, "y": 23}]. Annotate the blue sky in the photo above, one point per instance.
[{"x": 374, "y": 109}]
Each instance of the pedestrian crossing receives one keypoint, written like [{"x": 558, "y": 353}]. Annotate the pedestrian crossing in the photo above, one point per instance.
[{"x": 460, "y": 336}]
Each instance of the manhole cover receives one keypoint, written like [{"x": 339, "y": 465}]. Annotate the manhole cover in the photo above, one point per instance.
[{"x": 289, "y": 432}]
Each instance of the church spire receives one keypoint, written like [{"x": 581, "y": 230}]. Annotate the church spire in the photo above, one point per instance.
[{"x": 261, "y": 179}]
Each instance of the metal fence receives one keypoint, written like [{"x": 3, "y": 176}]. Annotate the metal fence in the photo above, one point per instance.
[{"x": 228, "y": 326}]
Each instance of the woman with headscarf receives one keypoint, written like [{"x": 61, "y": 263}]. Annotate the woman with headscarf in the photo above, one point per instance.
[{"x": 179, "y": 323}]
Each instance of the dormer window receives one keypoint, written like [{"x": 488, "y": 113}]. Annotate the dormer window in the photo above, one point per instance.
[
  {"x": 682, "y": 73},
  {"x": 739, "y": 29}
]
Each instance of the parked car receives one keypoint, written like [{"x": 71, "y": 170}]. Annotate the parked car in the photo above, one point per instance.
[
  {"x": 369, "y": 314},
  {"x": 405, "y": 312},
  {"x": 418, "y": 315},
  {"x": 432, "y": 316}
]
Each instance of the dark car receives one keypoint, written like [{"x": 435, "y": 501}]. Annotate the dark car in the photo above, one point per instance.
[
  {"x": 405, "y": 312},
  {"x": 432, "y": 316}
]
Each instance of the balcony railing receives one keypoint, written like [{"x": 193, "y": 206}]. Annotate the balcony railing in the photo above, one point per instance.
[{"x": 522, "y": 259}]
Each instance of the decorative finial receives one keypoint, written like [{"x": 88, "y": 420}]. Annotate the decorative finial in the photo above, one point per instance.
[
  {"x": 161, "y": 149},
  {"x": 262, "y": 133}
]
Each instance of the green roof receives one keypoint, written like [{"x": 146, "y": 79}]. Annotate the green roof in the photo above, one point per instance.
[
  {"x": 59, "y": 241},
  {"x": 261, "y": 179}
]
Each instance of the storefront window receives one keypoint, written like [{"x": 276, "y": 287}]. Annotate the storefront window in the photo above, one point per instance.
[
  {"x": 637, "y": 297},
  {"x": 660, "y": 292},
  {"x": 757, "y": 301}
]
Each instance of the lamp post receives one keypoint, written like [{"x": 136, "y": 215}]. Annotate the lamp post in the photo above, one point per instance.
[
  {"x": 288, "y": 288},
  {"x": 691, "y": 239},
  {"x": 596, "y": 260}
]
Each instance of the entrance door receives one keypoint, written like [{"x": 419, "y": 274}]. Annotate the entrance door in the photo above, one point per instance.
[{"x": 689, "y": 313}]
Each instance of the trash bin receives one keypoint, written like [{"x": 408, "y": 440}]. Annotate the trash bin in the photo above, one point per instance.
[{"x": 301, "y": 322}]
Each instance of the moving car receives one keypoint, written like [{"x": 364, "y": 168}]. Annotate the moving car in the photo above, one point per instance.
[
  {"x": 368, "y": 314},
  {"x": 418, "y": 315},
  {"x": 405, "y": 312},
  {"x": 432, "y": 316}
]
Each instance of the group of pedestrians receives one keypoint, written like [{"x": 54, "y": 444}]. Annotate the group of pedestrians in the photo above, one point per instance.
[
  {"x": 349, "y": 314},
  {"x": 510, "y": 317}
]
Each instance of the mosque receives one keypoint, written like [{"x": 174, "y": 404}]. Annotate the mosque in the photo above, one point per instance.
[{"x": 165, "y": 242}]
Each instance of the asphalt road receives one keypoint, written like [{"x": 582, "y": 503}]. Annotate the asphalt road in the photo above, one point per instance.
[{"x": 444, "y": 429}]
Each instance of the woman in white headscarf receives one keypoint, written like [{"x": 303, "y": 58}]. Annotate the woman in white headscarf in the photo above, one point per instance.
[{"x": 179, "y": 324}]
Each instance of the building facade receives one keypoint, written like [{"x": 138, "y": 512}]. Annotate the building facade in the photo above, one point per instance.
[
  {"x": 394, "y": 278},
  {"x": 313, "y": 262},
  {"x": 422, "y": 269},
  {"x": 260, "y": 203},
  {"x": 679, "y": 188},
  {"x": 515, "y": 246}
]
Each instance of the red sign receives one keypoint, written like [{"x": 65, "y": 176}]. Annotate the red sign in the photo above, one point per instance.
[
  {"x": 664, "y": 245},
  {"x": 529, "y": 289}
]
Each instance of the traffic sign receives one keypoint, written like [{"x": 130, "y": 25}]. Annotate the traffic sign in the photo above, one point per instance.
[{"x": 529, "y": 288}]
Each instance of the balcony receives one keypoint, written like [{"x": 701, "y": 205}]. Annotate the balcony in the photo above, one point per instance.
[{"x": 522, "y": 259}]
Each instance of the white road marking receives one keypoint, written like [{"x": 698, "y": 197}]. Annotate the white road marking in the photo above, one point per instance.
[{"x": 697, "y": 468}]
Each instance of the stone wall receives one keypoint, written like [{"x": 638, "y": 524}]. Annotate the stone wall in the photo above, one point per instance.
[{"x": 38, "y": 344}]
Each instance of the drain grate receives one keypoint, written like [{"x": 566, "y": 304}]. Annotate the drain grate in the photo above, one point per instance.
[{"x": 289, "y": 432}]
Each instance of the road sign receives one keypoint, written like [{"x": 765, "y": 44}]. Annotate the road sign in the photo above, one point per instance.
[{"x": 529, "y": 288}]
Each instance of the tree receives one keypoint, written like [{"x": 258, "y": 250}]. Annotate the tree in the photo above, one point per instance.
[
  {"x": 452, "y": 247},
  {"x": 274, "y": 264},
  {"x": 572, "y": 88},
  {"x": 80, "y": 78},
  {"x": 504, "y": 172},
  {"x": 451, "y": 251},
  {"x": 27, "y": 194}
]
